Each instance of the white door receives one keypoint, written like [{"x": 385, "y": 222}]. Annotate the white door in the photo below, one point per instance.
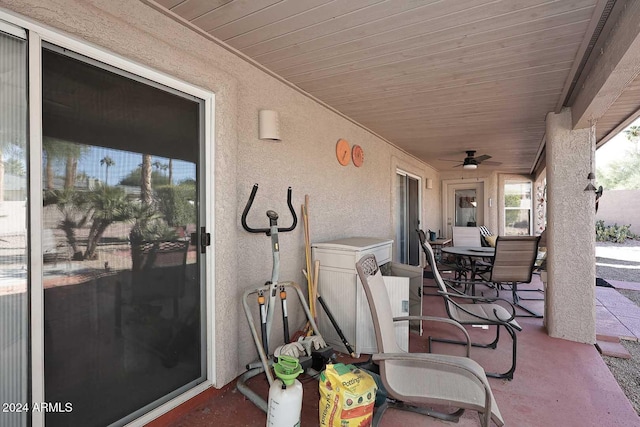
[{"x": 464, "y": 205}]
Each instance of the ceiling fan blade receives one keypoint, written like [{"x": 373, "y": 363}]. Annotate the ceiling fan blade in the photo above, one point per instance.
[
  {"x": 448, "y": 160},
  {"x": 492, "y": 163},
  {"x": 482, "y": 158}
]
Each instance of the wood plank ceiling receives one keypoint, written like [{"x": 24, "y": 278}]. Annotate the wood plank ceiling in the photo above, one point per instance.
[{"x": 434, "y": 77}]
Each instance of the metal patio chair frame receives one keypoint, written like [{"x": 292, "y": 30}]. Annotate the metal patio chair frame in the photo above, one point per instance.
[
  {"x": 476, "y": 310},
  {"x": 514, "y": 262},
  {"x": 423, "y": 379}
]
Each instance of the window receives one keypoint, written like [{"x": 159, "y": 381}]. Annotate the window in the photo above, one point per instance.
[
  {"x": 14, "y": 311},
  {"x": 517, "y": 208}
]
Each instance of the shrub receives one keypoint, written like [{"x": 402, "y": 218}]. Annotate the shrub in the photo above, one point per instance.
[
  {"x": 176, "y": 203},
  {"x": 613, "y": 233}
]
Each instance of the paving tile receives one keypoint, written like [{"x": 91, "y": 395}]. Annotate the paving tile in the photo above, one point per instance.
[
  {"x": 610, "y": 295},
  {"x": 603, "y": 292},
  {"x": 624, "y": 304},
  {"x": 608, "y": 324},
  {"x": 608, "y": 338},
  {"x": 613, "y": 349},
  {"x": 625, "y": 285},
  {"x": 632, "y": 324},
  {"x": 603, "y": 313},
  {"x": 625, "y": 311}
]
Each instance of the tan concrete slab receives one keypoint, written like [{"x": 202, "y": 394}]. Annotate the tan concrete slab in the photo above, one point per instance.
[
  {"x": 608, "y": 338},
  {"x": 613, "y": 349}
]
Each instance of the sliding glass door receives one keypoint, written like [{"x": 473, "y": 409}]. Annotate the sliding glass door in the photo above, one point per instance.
[
  {"x": 103, "y": 298},
  {"x": 123, "y": 295},
  {"x": 407, "y": 218},
  {"x": 14, "y": 333}
]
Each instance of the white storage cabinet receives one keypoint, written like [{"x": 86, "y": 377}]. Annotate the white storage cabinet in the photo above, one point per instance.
[
  {"x": 340, "y": 287},
  {"x": 414, "y": 274}
]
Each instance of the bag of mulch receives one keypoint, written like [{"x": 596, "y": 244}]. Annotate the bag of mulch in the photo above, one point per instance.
[{"x": 347, "y": 396}]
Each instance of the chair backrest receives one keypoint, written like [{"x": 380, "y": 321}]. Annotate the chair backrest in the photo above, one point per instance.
[
  {"x": 422, "y": 237},
  {"x": 515, "y": 259},
  {"x": 378, "y": 298},
  {"x": 466, "y": 236},
  {"x": 158, "y": 269},
  {"x": 431, "y": 259}
]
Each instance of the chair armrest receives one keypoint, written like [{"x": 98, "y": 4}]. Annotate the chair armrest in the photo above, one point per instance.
[
  {"x": 441, "y": 320},
  {"x": 475, "y": 298},
  {"x": 510, "y": 308},
  {"x": 448, "y": 285}
]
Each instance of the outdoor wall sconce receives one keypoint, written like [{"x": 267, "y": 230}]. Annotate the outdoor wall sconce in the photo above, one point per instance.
[
  {"x": 592, "y": 149},
  {"x": 269, "y": 125},
  {"x": 590, "y": 186}
]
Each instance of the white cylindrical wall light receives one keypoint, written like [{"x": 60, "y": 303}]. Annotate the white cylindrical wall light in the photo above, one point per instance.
[
  {"x": 429, "y": 183},
  {"x": 269, "y": 125}
]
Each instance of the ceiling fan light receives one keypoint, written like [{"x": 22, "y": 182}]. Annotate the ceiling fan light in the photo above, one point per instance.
[{"x": 469, "y": 166}]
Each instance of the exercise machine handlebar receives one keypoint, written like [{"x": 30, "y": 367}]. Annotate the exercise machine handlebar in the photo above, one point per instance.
[{"x": 273, "y": 216}]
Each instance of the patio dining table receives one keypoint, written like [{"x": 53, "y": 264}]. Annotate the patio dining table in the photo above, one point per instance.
[{"x": 472, "y": 253}]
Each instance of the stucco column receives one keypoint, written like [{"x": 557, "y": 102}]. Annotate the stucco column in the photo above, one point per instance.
[{"x": 570, "y": 301}]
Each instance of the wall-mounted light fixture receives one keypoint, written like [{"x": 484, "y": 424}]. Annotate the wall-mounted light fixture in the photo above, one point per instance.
[
  {"x": 591, "y": 176},
  {"x": 429, "y": 183},
  {"x": 269, "y": 125},
  {"x": 590, "y": 186}
]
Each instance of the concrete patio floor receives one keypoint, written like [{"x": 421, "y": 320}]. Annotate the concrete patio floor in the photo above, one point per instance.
[
  {"x": 556, "y": 383},
  {"x": 617, "y": 315}
]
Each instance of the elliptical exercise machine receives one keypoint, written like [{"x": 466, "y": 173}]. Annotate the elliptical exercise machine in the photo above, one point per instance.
[{"x": 309, "y": 348}]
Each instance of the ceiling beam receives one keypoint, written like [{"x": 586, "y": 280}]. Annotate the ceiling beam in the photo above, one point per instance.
[
  {"x": 617, "y": 64},
  {"x": 582, "y": 50}
]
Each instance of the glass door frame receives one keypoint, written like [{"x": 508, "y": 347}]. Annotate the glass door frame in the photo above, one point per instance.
[
  {"x": 448, "y": 201},
  {"x": 409, "y": 237},
  {"x": 37, "y": 34}
]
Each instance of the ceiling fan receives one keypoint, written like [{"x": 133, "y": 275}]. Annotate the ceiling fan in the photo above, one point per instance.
[{"x": 472, "y": 162}]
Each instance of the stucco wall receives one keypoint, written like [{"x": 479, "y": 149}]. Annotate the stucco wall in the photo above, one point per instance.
[
  {"x": 570, "y": 311},
  {"x": 345, "y": 201},
  {"x": 620, "y": 207}
]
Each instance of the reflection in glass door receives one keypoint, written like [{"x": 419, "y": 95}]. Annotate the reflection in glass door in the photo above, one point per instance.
[
  {"x": 123, "y": 297},
  {"x": 408, "y": 219},
  {"x": 466, "y": 207},
  {"x": 14, "y": 336}
]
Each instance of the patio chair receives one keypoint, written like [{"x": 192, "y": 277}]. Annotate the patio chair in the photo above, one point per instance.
[
  {"x": 514, "y": 263},
  {"x": 423, "y": 379},
  {"x": 158, "y": 271},
  {"x": 147, "y": 312},
  {"x": 459, "y": 271},
  {"x": 478, "y": 311},
  {"x": 469, "y": 236},
  {"x": 466, "y": 236}
]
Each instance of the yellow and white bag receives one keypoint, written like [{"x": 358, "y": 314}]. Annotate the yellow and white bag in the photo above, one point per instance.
[{"x": 347, "y": 396}]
